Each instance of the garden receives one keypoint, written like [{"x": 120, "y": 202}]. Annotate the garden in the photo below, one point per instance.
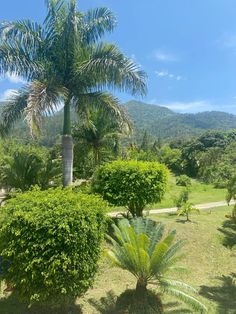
[{"x": 77, "y": 234}]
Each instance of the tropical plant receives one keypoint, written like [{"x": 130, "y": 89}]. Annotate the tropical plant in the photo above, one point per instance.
[
  {"x": 50, "y": 244},
  {"x": 141, "y": 247},
  {"x": 98, "y": 139},
  {"x": 65, "y": 64},
  {"x": 185, "y": 208},
  {"x": 133, "y": 184},
  {"x": 24, "y": 166}
]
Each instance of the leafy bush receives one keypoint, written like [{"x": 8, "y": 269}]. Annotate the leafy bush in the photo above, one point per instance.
[
  {"x": 183, "y": 180},
  {"x": 131, "y": 183},
  {"x": 52, "y": 240}
]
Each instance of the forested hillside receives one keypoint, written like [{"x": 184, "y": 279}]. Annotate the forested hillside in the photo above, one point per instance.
[
  {"x": 162, "y": 122},
  {"x": 158, "y": 121}
]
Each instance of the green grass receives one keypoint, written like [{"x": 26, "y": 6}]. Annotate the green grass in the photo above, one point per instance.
[
  {"x": 200, "y": 193},
  {"x": 211, "y": 265}
]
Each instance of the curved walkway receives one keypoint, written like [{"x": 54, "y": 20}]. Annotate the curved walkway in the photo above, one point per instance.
[{"x": 174, "y": 209}]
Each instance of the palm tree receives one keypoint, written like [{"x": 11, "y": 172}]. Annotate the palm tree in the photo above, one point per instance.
[
  {"x": 101, "y": 134},
  {"x": 140, "y": 247},
  {"x": 65, "y": 64}
]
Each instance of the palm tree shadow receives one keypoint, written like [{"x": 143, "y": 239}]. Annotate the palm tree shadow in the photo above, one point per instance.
[
  {"x": 228, "y": 229},
  {"x": 171, "y": 308},
  {"x": 224, "y": 294}
]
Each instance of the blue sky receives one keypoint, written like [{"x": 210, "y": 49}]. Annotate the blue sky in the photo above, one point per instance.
[{"x": 187, "y": 48}]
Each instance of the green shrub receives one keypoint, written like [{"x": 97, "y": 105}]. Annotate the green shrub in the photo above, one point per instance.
[
  {"x": 133, "y": 184},
  {"x": 52, "y": 242},
  {"x": 183, "y": 180}
]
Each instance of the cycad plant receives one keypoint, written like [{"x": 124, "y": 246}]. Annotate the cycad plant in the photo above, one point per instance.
[
  {"x": 65, "y": 65},
  {"x": 143, "y": 248}
]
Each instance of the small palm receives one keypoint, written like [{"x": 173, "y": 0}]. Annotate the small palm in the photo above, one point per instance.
[{"x": 141, "y": 247}]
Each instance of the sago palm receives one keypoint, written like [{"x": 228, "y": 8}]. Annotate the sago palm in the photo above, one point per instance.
[
  {"x": 66, "y": 65},
  {"x": 141, "y": 247}
]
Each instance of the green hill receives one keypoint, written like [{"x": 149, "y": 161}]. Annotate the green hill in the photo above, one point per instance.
[
  {"x": 162, "y": 122},
  {"x": 158, "y": 121}
]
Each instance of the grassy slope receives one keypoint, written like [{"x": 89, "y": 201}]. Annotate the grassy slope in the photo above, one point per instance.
[{"x": 207, "y": 259}]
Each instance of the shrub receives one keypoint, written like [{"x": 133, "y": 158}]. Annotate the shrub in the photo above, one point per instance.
[
  {"x": 52, "y": 241},
  {"x": 133, "y": 184},
  {"x": 183, "y": 180}
]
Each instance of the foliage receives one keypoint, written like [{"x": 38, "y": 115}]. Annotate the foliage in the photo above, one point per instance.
[
  {"x": 52, "y": 241},
  {"x": 64, "y": 62},
  {"x": 141, "y": 247},
  {"x": 97, "y": 140},
  {"x": 183, "y": 205},
  {"x": 183, "y": 180},
  {"x": 26, "y": 165},
  {"x": 133, "y": 184}
]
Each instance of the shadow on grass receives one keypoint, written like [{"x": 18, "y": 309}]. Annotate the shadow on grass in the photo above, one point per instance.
[
  {"x": 228, "y": 229},
  {"x": 171, "y": 308},
  {"x": 224, "y": 295},
  {"x": 107, "y": 305},
  {"x": 11, "y": 305}
]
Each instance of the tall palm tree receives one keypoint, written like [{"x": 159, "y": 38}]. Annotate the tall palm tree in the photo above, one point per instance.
[
  {"x": 65, "y": 64},
  {"x": 141, "y": 247}
]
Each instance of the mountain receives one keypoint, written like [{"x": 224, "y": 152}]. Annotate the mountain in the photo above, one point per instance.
[
  {"x": 158, "y": 121},
  {"x": 162, "y": 122}
]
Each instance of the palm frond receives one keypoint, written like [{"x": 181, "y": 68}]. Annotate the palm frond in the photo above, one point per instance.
[
  {"x": 186, "y": 298},
  {"x": 95, "y": 23},
  {"x": 44, "y": 99},
  {"x": 13, "y": 109},
  {"x": 108, "y": 67},
  {"x": 14, "y": 58},
  {"x": 107, "y": 103}
]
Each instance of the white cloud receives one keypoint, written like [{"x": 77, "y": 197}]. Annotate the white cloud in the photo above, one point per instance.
[
  {"x": 164, "y": 56},
  {"x": 7, "y": 94},
  {"x": 166, "y": 74},
  {"x": 190, "y": 107},
  {"x": 15, "y": 79}
]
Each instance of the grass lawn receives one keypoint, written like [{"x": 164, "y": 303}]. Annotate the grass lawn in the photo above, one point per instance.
[
  {"x": 212, "y": 266},
  {"x": 200, "y": 193}
]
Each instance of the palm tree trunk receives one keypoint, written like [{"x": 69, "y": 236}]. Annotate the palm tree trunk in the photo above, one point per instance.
[
  {"x": 67, "y": 148},
  {"x": 141, "y": 288}
]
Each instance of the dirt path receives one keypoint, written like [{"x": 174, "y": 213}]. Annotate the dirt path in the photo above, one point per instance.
[{"x": 174, "y": 209}]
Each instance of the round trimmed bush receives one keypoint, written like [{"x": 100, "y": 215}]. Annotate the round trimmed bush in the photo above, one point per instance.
[
  {"x": 50, "y": 243},
  {"x": 133, "y": 184}
]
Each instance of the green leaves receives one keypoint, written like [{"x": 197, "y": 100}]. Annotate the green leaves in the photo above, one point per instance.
[
  {"x": 133, "y": 184},
  {"x": 52, "y": 240},
  {"x": 140, "y": 247}
]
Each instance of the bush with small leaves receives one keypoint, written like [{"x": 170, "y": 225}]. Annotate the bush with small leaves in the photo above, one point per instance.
[
  {"x": 133, "y": 184},
  {"x": 50, "y": 243},
  {"x": 183, "y": 180}
]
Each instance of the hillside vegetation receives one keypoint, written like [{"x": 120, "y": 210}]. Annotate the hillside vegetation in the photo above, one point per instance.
[{"x": 158, "y": 121}]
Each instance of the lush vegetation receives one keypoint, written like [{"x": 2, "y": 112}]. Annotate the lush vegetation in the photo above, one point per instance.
[
  {"x": 64, "y": 61},
  {"x": 133, "y": 184},
  {"x": 50, "y": 244}
]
